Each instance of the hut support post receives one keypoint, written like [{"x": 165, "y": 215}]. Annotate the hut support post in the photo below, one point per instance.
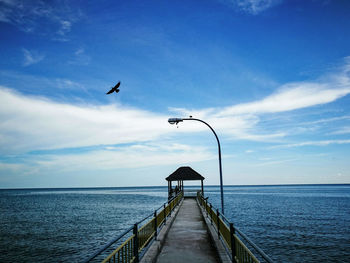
[{"x": 202, "y": 188}]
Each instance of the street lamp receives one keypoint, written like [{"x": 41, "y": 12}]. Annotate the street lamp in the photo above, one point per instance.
[{"x": 176, "y": 121}]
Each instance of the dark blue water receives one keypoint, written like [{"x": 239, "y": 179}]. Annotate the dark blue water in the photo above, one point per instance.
[{"x": 290, "y": 223}]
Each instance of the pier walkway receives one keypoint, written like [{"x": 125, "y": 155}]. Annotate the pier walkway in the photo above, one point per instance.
[
  {"x": 182, "y": 230},
  {"x": 188, "y": 239},
  {"x": 186, "y": 228}
]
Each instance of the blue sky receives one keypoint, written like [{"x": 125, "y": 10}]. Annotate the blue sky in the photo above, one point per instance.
[{"x": 271, "y": 77}]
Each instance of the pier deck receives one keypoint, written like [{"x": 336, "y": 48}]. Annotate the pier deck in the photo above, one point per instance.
[
  {"x": 184, "y": 230},
  {"x": 188, "y": 239}
]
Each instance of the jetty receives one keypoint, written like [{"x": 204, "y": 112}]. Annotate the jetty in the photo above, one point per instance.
[
  {"x": 188, "y": 239},
  {"x": 187, "y": 228}
]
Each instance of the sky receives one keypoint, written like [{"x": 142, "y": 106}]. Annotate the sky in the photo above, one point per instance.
[{"x": 272, "y": 77}]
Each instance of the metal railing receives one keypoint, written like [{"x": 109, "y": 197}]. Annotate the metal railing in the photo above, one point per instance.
[
  {"x": 238, "y": 246},
  {"x": 140, "y": 237}
]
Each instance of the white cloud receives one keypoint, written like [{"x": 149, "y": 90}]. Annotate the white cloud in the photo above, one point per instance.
[
  {"x": 327, "y": 120},
  {"x": 68, "y": 84},
  {"x": 234, "y": 126},
  {"x": 116, "y": 136},
  {"x": 65, "y": 27},
  {"x": 14, "y": 167},
  {"x": 274, "y": 162},
  {"x": 113, "y": 161},
  {"x": 312, "y": 143},
  {"x": 344, "y": 130},
  {"x": 292, "y": 97},
  {"x": 139, "y": 155},
  {"x": 28, "y": 16},
  {"x": 33, "y": 123},
  {"x": 253, "y": 7},
  {"x": 31, "y": 57},
  {"x": 5, "y": 10},
  {"x": 80, "y": 57},
  {"x": 79, "y": 51},
  {"x": 241, "y": 120},
  {"x": 256, "y": 6}
]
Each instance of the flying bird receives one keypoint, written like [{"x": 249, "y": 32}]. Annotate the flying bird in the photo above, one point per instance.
[{"x": 115, "y": 88}]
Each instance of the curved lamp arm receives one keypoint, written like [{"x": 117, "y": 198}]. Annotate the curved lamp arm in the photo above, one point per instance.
[{"x": 176, "y": 121}]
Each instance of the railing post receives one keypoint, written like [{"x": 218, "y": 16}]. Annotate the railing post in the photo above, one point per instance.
[
  {"x": 218, "y": 222},
  {"x": 164, "y": 206},
  {"x": 155, "y": 224},
  {"x": 206, "y": 205},
  {"x": 233, "y": 245},
  {"x": 136, "y": 243},
  {"x": 130, "y": 251},
  {"x": 211, "y": 214}
]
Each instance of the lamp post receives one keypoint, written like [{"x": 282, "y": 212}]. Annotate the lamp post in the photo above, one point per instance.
[{"x": 176, "y": 121}]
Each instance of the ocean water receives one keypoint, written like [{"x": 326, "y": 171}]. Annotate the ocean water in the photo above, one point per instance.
[{"x": 299, "y": 223}]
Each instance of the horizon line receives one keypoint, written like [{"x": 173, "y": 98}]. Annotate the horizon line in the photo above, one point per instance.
[{"x": 106, "y": 187}]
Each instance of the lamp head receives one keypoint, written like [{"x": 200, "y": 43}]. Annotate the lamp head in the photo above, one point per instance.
[{"x": 174, "y": 120}]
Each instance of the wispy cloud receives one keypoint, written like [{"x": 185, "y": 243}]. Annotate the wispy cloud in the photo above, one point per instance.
[
  {"x": 292, "y": 97},
  {"x": 253, "y": 7},
  {"x": 311, "y": 143},
  {"x": 31, "y": 57},
  {"x": 80, "y": 58},
  {"x": 241, "y": 120},
  {"x": 289, "y": 97},
  {"x": 274, "y": 162},
  {"x": 58, "y": 125},
  {"x": 327, "y": 120},
  {"x": 15, "y": 167},
  {"x": 39, "y": 16},
  {"x": 60, "y": 88},
  {"x": 107, "y": 160},
  {"x": 68, "y": 137},
  {"x": 65, "y": 27},
  {"x": 344, "y": 130},
  {"x": 137, "y": 155}
]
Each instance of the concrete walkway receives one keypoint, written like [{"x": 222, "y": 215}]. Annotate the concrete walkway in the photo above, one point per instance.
[{"x": 188, "y": 239}]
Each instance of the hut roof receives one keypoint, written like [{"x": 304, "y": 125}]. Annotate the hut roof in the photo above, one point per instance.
[{"x": 184, "y": 173}]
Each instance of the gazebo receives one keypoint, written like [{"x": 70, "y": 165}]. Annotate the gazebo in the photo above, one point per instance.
[{"x": 184, "y": 173}]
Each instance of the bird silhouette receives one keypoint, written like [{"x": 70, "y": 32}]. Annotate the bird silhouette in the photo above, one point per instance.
[{"x": 115, "y": 88}]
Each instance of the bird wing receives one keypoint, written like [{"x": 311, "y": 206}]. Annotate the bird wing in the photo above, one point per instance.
[
  {"x": 117, "y": 85},
  {"x": 109, "y": 92}
]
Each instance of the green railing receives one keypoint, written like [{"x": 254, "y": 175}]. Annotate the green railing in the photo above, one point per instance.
[
  {"x": 142, "y": 234},
  {"x": 232, "y": 237}
]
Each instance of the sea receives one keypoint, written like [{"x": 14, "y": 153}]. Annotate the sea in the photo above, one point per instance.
[{"x": 290, "y": 223}]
